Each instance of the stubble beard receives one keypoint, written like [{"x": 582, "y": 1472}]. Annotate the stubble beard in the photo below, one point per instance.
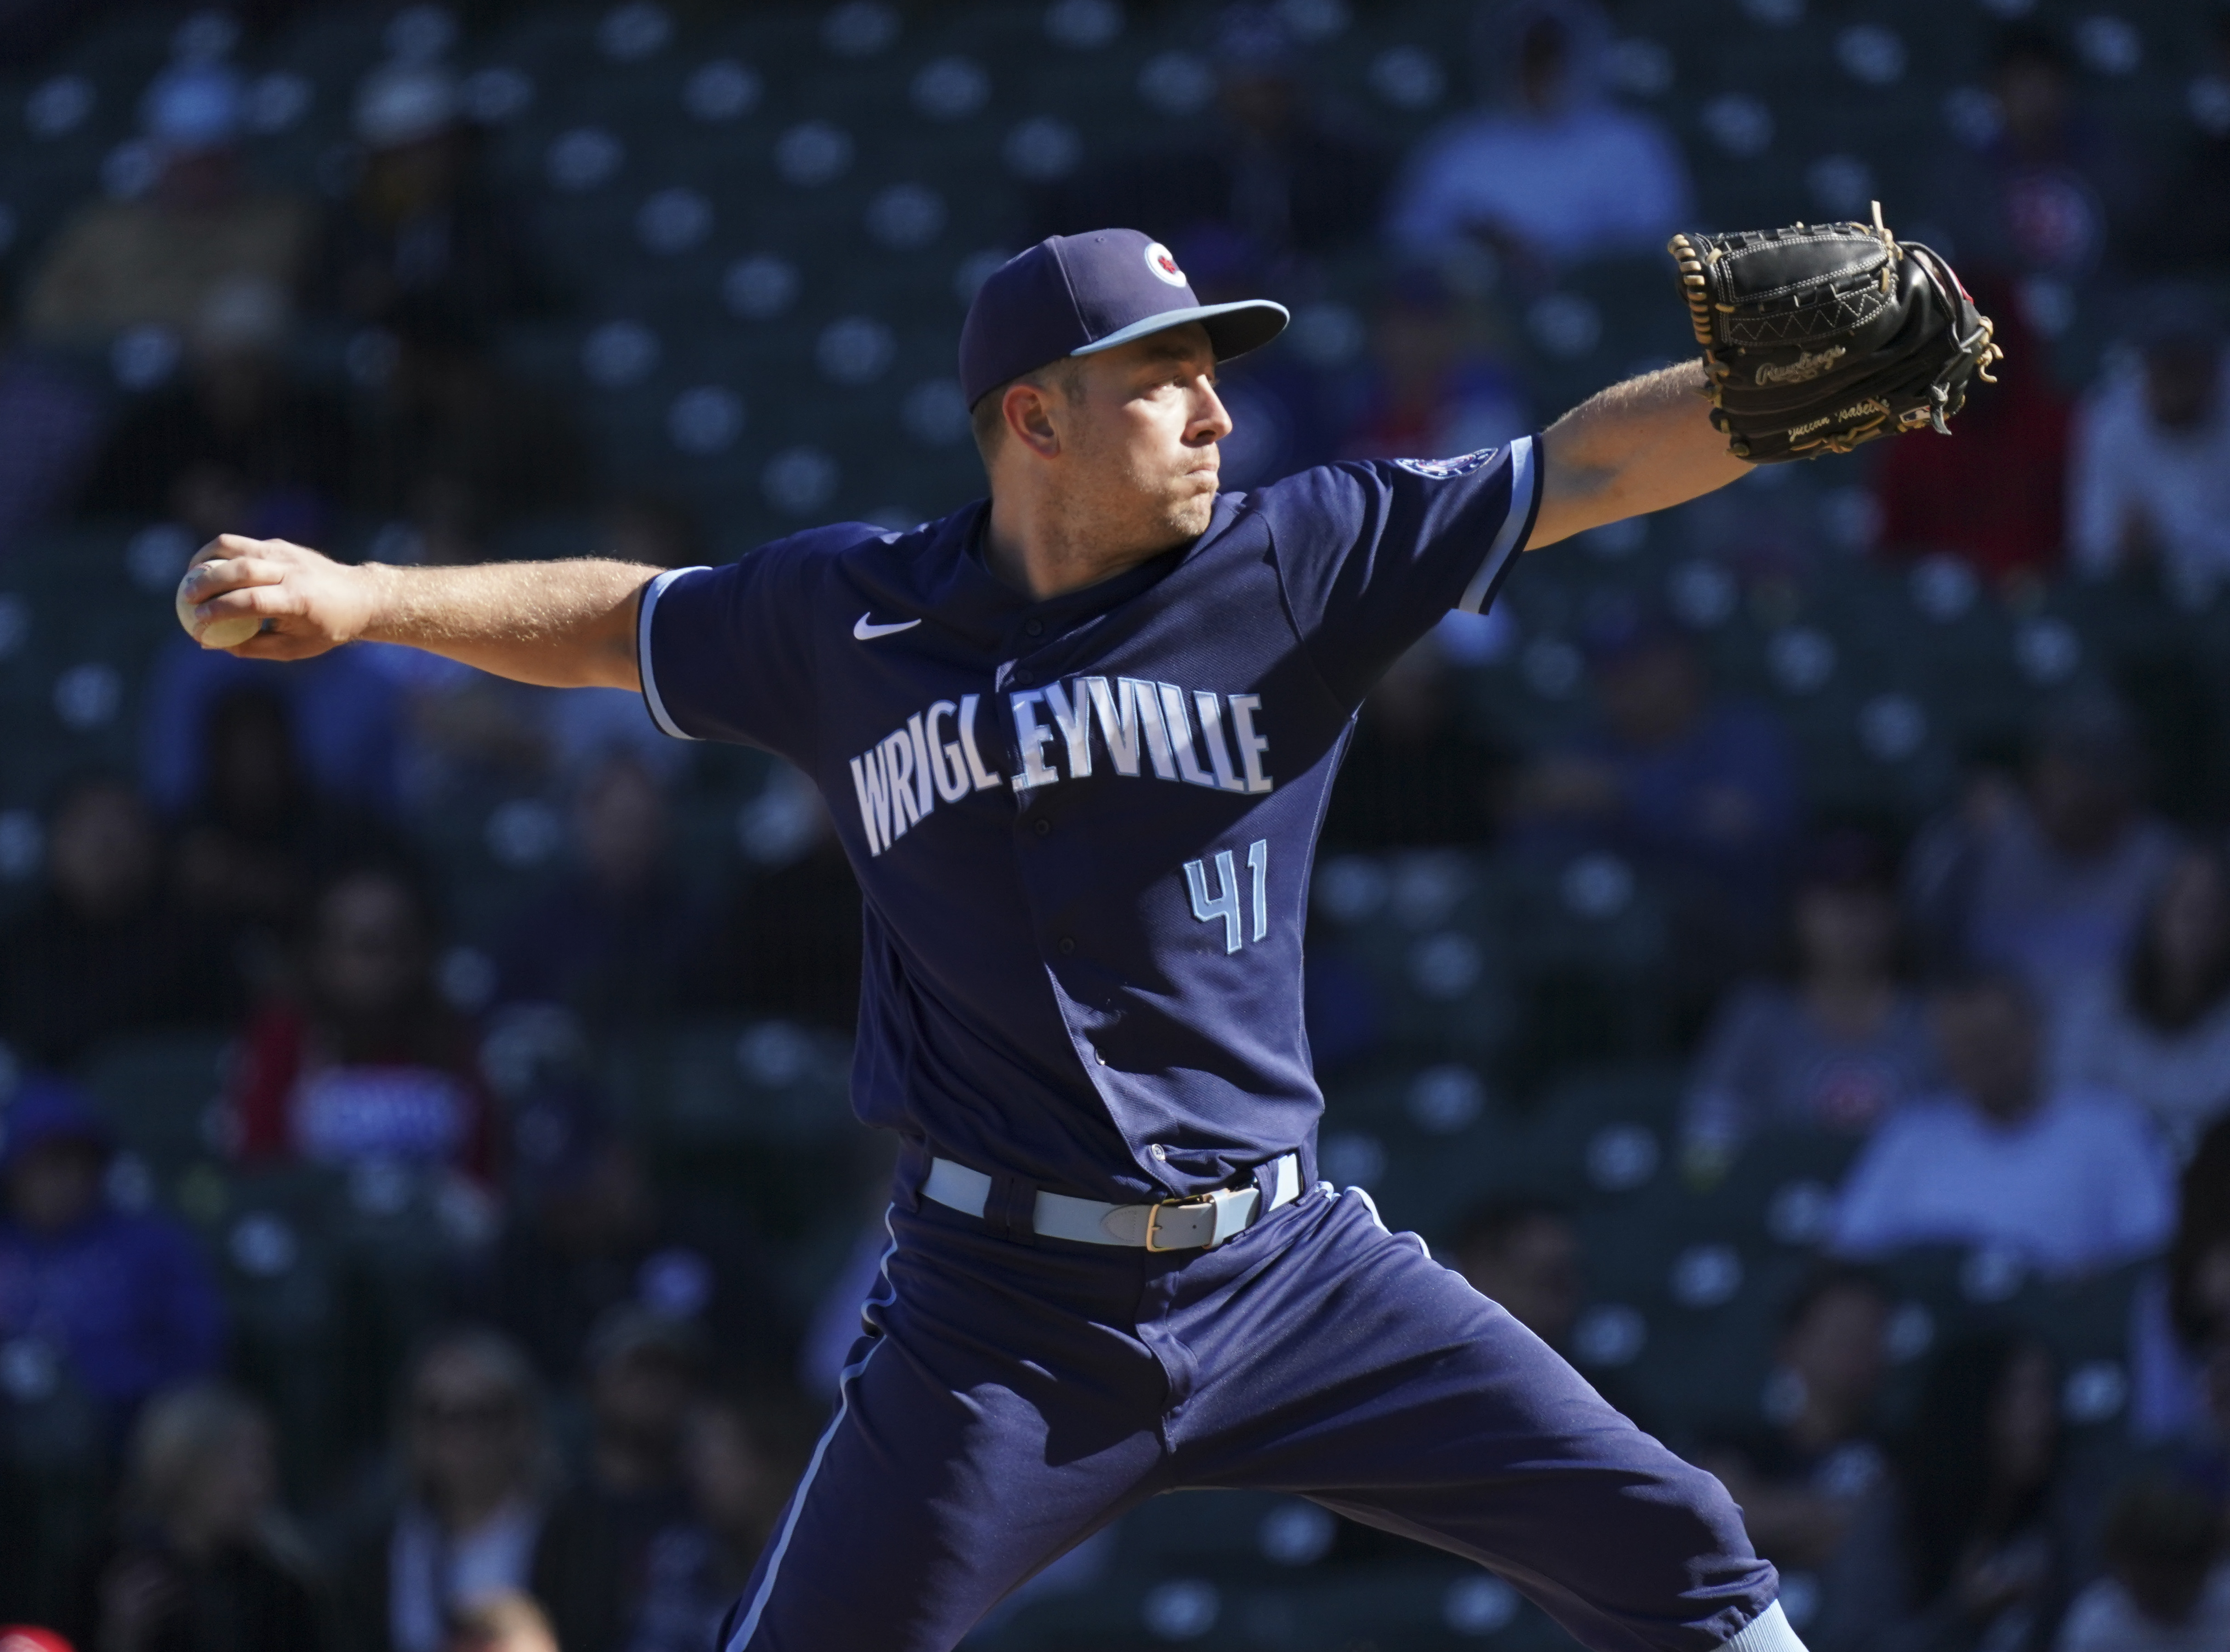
[
  {"x": 1174, "y": 513},
  {"x": 1188, "y": 518},
  {"x": 1190, "y": 507}
]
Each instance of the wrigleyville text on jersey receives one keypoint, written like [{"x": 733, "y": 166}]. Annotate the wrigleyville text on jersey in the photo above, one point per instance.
[{"x": 1146, "y": 729}]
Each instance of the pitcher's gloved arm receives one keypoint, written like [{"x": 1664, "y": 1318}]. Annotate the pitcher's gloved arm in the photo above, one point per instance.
[{"x": 1640, "y": 446}]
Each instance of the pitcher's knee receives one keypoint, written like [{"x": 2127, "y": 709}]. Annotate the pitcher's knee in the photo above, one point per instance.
[
  {"x": 1727, "y": 1585},
  {"x": 1717, "y": 1517},
  {"x": 1685, "y": 1518}
]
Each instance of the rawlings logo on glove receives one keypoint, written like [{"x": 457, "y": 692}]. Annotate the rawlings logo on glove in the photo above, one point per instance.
[
  {"x": 1819, "y": 336},
  {"x": 1795, "y": 372}
]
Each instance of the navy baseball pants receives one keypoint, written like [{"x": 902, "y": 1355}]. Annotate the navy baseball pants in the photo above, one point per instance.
[{"x": 1009, "y": 1400}]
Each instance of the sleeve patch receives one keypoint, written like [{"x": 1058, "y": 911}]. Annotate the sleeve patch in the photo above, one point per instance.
[{"x": 1440, "y": 469}]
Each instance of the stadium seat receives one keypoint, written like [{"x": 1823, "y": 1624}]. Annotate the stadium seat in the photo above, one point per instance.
[
  {"x": 160, "y": 1093},
  {"x": 766, "y": 1082}
]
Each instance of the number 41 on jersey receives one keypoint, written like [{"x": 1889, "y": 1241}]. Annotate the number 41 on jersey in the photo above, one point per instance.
[{"x": 1225, "y": 905}]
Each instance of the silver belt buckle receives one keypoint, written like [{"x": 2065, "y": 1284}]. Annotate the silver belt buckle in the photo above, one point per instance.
[{"x": 1154, "y": 1218}]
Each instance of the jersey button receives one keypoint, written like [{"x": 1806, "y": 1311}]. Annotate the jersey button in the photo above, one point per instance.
[
  {"x": 1067, "y": 946},
  {"x": 1159, "y": 1151},
  {"x": 1041, "y": 826},
  {"x": 1035, "y": 627},
  {"x": 1022, "y": 678}
]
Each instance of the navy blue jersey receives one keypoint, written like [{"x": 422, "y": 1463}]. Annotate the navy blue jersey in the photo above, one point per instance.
[{"x": 1083, "y": 827}]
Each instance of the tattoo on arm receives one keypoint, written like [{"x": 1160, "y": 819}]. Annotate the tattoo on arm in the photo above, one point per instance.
[{"x": 1639, "y": 446}]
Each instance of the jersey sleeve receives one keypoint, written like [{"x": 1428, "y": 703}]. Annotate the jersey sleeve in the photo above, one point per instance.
[
  {"x": 1373, "y": 553},
  {"x": 725, "y": 652}
]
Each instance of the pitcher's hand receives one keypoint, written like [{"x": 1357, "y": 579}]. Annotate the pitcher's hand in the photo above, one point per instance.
[{"x": 308, "y": 602}]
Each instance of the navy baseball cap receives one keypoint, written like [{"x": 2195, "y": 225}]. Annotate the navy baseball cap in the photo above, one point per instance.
[
  {"x": 1075, "y": 295},
  {"x": 47, "y": 1109}
]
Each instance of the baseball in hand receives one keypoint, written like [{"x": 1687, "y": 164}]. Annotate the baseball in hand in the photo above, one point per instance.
[{"x": 218, "y": 633}]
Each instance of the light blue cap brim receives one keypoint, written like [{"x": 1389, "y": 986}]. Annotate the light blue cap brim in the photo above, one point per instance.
[{"x": 1254, "y": 323}]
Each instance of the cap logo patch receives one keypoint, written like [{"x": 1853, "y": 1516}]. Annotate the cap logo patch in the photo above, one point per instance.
[{"x": 1163, "y": 264}]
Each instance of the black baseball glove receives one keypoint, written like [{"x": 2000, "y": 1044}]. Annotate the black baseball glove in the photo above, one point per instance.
[{"x": 1819, "y": 337}]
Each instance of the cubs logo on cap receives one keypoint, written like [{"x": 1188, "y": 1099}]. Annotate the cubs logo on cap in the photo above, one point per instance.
[
  {"x": 1075, "y": 295},
  {"x": 27, "y": 1637}
]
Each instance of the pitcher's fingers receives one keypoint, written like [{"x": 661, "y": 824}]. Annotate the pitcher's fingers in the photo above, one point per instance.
[
  {"x": 204, "y": 578},
  {"x": 224, "y": 547},
  {"x": 281, "y": 645},
  {"x": 232, "y": 574},
  {"x": 263, "y": 602}
]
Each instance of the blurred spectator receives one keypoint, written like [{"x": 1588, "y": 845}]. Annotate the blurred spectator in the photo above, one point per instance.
[
  {"x": 1841, "y": 1044},
  {"x": 609, "y": 934},
  {"x": 1525, "y": 1255},
  {"x": 1281, "y": 401},
  {"x": 2072, "y": 1178},
  {"x": 122, "y": 1300},
  {"x": 1415, "y": 773},
  {"x": 2199, "y": 1263},
  {"x": 258, "y": 838},
  {"x": 2182, "y": 1312},
  {"x": 2167, "y": 1585},
  {"x": 450, "y": 446},
  {"x": 472, "y": 736},
  {"x": 1800, "y": 1477},
  {"x": 2150, "y": 477},
  {"x": 366, "y": 1063},
  {"x": 1699, "y": 789},
  {"x": 422, "y": 243},
  {"x": 505, "y": 1621},
  {"x": 208, "y": 1561},
  {"x": 2045, "y": 189},
  {"x": 1549, "y": 172},
  {"x": 646, "y": 1371},
  {"x": 202, "y": 241},
  {"x": 483, "y": 1515},
  {"x": 832, "y": 1331},
  {"x": 2187, "y": 232},
  {"x": 2048, "y": 880},
  {"x": 653, "y": 531},
  {"x": 29, "y": 30},
  {"x": 2016, "y": 433},
  {"x": 1967, "y": 1546},
  {"x": 103, "y": 950},
  {"x": 50, "y": 425},
  {"x": 1435, "y": 385},
  {"x": 739, "y": 1475},
  {"x": 343, "y": 708},
  {"x": 1343, "y": 1010},
  {"x": 787, "y": 941},
  {"x": 589, "y": 1234},
  {"x": 2157, "y": 1029},
  {"x": 2211, "y": 1439},
  {"x": 238, "y": 447},
  {"x": 1275, "y": 165}
]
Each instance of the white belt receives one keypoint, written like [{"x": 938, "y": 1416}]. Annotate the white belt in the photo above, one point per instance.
[{"x": 1202, "y": 1222}]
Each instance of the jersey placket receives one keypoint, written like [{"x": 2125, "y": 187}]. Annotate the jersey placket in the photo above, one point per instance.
[{"x": 1040, "y": 848}]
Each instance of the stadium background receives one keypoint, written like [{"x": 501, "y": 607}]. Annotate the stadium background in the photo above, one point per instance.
[{"x": 747, "y": 237}]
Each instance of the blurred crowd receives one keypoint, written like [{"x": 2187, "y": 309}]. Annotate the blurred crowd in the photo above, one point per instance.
[{"x": 581, "y": 1426}]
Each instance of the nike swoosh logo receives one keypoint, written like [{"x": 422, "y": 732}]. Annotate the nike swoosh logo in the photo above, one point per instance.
[{"x": 863, "y": 632}]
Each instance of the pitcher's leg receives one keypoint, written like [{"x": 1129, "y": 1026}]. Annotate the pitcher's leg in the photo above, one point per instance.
[
  {"x": 1380, "y": 1384},
  {"x": 960, "y": 1462}
]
